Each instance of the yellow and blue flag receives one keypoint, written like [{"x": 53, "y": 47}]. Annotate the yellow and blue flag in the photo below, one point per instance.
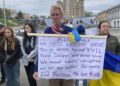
[
  {"x": 112, "y": 62},
  {"x": 111, "y": 72},
  {"x": 74, "y": 36}
]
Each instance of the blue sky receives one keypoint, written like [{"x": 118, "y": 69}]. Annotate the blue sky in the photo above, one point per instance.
[{"x": 41, "y": 7}]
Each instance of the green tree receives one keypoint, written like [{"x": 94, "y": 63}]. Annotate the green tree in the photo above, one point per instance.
[
  {"x": 20, "y": 15},
  {"x": 1, "y": 13},
  {"x": 89, "y": 14},
  {"x": 7, "y": 13}
]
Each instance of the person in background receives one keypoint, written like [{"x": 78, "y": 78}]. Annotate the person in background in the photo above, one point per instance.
[
  {"x": 81, "y": 31},
  {"x": 68, "y": 22},
  {"x": 104, "y": 28},
  {"x": 2, "y": 27},
  {"x": 113, "y": 47},
  {"x": 29, "y": 49},
  {"x": 57, "y": 27},
  {"x": 10, "y": 49},
  {"x": 81, "y": 28}
]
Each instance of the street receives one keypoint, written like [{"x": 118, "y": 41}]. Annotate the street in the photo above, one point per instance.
[{"x": 24, "y": 81}]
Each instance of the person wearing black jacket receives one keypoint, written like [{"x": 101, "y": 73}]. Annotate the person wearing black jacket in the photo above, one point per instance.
[
  {"x": 30, "y": 51},
  {"x": 3, "y": 76},
  {"x": 112, "y": 47},
  {"x": 10, "y": 49}
]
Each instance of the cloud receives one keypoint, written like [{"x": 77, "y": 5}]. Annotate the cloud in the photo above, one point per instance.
[
  {"x": 42, "y": 7},
  {"x": 39, "y": 7},
  {"x": 99, "y": 5}
]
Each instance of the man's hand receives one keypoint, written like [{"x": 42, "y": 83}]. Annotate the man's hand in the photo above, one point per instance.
[{"x": 36, "y": 76}]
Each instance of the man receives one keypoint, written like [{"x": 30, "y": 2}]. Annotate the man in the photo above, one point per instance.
[
  {"x": 57, "y": 27},
  {"x": 2, "y": 69}
]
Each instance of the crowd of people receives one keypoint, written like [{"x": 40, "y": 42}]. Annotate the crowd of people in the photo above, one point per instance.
[{"x": 11, "y": 50}]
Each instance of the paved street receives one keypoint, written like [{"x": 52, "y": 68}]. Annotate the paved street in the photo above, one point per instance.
[{"x": 24, "y": 81}]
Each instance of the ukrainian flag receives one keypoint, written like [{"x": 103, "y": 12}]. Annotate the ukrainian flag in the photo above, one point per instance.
[
  {"x": 74, "y": 36},
  {"x": 111, "y": 72}
]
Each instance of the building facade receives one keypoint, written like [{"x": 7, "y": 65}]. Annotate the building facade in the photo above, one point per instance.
[
  {"x": 26, "y": 16},
  {"x": 102, "y": 16},
  {"x": 114, "y": 16},
  {"x": 13, "y": 13},
  {"x": 72, "y": 8}
]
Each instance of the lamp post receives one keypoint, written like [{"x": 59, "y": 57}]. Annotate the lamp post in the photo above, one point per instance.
[{"x": 4, "y": 13}]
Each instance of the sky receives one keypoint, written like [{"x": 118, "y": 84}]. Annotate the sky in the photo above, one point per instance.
[{"x": 42, "y": 7}]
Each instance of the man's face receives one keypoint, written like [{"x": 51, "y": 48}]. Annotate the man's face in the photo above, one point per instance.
[
  {"x": 104, "y": 28},
  {"x": 1, "y": 30},
  {"x": 56, "y": 17}
]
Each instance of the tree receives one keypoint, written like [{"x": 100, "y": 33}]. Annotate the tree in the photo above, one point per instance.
[
  {"x": 43, "y": 17},
  {"x": 1, "y": 13},
  {"x": 7, "y": 13},
  {"x": 20, "y": 15},
  {"x": 89, "y": 14},
  {"x": 35, "y": 17}
]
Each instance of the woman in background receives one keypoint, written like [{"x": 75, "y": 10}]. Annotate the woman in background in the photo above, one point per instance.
[
  {"x": 11, "y": 50},
  {"x": 29, "y": 49},
  {"x": 113, "y": 47}
]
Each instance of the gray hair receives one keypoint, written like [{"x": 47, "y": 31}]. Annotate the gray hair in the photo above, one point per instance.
[{"x": 54, "y": 7}]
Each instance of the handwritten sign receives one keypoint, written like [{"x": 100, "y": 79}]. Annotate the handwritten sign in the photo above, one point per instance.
[{"x": 61, "y": 59}]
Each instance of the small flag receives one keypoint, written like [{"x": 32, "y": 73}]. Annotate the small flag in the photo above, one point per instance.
[{"x": 74, "y": 36}]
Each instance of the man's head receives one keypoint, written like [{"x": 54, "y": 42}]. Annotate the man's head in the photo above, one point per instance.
[
  {"x": 56, "y": 14},
  {"x": 104, "y": 27},
  {"x": 2, "y": 27}
]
